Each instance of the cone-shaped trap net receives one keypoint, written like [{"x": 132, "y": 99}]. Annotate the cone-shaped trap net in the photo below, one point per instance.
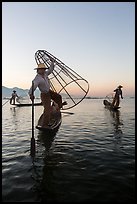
[
  {"x": 71, "y": 86},
  {"x": 110, "y": 97}
]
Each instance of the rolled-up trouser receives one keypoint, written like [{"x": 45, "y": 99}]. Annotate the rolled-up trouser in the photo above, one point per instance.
[
  {"x": 46, "y": 101},
  {"x": 56, "y": 97}
]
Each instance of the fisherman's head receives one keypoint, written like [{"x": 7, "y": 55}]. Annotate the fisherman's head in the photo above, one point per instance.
[
  {"x": 41, "y": 68},
  {"x": 120, "y": 86},
  {"x": 14, "y": 91}
]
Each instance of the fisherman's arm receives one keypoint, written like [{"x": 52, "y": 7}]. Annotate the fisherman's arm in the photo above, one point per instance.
[
  {"x": 121, "y": 95},
  {"x": 35, "y": 85}
]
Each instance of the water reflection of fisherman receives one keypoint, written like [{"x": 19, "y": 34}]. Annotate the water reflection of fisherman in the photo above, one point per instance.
[
  {"x": 116, "y": 99},
  {"x": 117, "y": 122},
  {"x": 43, "y": 176},
  {"x": 13, "y": 97}
]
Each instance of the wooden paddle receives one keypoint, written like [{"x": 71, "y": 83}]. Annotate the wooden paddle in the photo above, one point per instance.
[{"x": 33, "y": 139}]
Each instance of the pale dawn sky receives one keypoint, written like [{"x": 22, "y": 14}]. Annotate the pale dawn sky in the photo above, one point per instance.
[{"x": 95, "y": 39}]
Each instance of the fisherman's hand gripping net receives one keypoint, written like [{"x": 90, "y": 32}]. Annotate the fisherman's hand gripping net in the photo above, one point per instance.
[{"x": 63, "y": 80}]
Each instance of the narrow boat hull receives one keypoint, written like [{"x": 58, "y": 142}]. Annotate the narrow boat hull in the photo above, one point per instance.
[
  {"x": 27, "y": 104},
  {"x": 109, "y": 106},
  {"x": 55, "y": 123}
]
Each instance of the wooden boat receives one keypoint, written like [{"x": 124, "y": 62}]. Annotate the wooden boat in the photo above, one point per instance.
[
  {"x": 109, "y": 106},
  {"x": 26, "y": 104},
  {"x": 55, "y": 122}
]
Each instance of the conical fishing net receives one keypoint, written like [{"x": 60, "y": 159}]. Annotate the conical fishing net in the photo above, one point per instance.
[
  {"x": 110, "y": 97},
  {"x": 63, "y": 80}
]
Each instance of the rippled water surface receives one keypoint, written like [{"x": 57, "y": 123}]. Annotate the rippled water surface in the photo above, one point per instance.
[{"x": 91, "y": 157}]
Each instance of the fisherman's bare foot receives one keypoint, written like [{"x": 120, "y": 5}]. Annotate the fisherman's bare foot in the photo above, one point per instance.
[{"x": 64, "y": 103}]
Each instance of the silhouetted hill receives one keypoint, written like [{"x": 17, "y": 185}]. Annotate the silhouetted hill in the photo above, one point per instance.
[{"x": 6, "y": 92}]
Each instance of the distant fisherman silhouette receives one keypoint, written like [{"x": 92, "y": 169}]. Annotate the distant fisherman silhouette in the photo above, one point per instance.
[
  {"x": 116, "y": 99},
  {"x": 13, "y": 97}
]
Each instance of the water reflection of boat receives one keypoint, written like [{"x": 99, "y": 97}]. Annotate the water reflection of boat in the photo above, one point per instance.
[
  {"x": 43, "y": 174},
  {"x": 117, "y": 123},
  {"x": 47, "y": 139}
]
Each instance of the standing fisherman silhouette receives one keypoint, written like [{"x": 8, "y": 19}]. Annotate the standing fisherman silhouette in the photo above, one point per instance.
[
  {"x": 116, "y": 99},
  {"x": 13, "y": 97}
]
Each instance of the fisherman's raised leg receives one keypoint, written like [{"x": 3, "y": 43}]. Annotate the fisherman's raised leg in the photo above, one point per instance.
[{"x": 46, "y": 101}]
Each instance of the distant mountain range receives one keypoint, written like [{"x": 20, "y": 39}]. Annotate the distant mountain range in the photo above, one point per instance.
[{"x": 6, "y": 92}]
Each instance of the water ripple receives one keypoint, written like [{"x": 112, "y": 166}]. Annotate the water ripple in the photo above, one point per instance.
[{"x": 91, "y": 158}]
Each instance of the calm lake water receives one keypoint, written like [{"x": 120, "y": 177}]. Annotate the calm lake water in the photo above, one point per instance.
[{"x": 91, "y": 157}]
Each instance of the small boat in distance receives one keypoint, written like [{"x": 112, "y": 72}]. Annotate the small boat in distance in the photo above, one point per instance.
[{"x": 26, "y": 104}]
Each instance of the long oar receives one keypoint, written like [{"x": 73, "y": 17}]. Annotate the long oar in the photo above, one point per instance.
[
  {"x": 5, "y": 102},
  {"x": 33, "y": 139}
]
